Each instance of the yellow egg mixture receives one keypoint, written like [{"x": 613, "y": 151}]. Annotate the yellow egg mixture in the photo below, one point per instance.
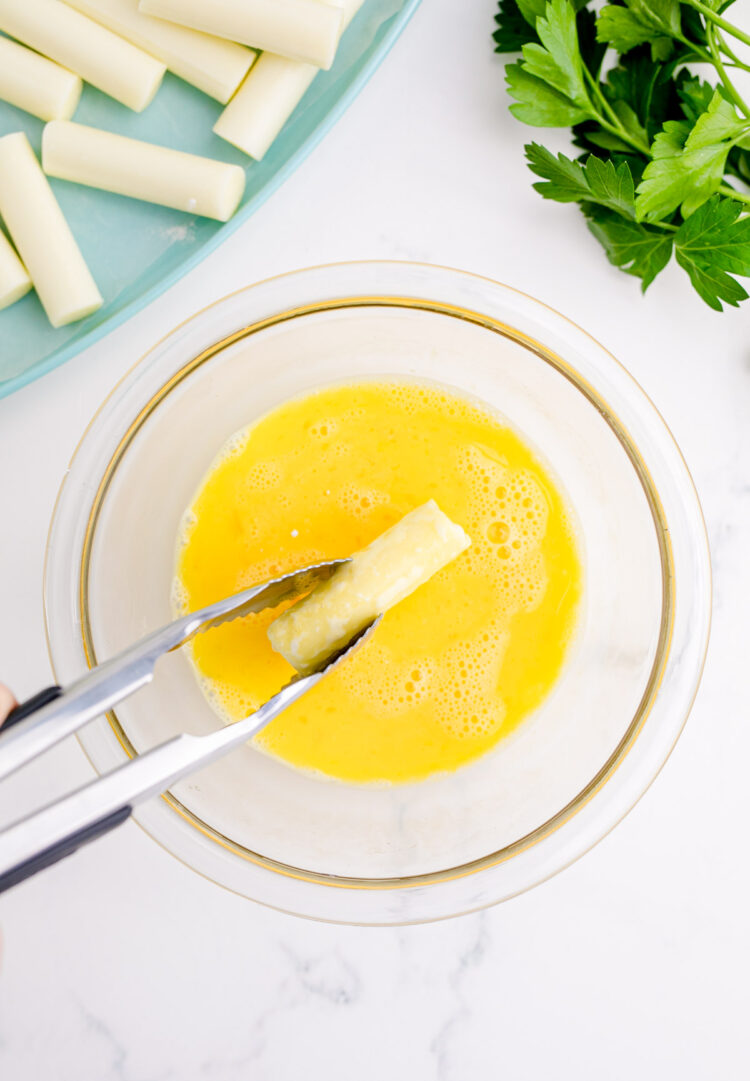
[{"x": 459, "y": 663}]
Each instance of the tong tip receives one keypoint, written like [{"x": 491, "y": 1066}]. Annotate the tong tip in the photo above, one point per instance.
[{"x": 341, "y": 652}]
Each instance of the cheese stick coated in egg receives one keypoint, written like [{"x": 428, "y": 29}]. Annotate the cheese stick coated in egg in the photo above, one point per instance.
[
  {"x": 307, "y": 30},
  {"x": 37, "y": 85},
  {"x": 213, "y": 65},
  {"x": 269, "y": 96},
  {"x": 374, "y": 580},
  {"x": 156, "y": 174},
  {"x": 42, "y": 235},
  {"x": 14, "y": 280},
  {"x": 100, "y": 57}
]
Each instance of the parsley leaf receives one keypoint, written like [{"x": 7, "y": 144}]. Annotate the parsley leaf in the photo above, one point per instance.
[
  {"x": 647, "y": 87},
  {"x": 688, "y": 164},
  {"x": 695, "y": 96},
  {"x": 533, "y": 9},
  {"x": 539, "y": 104},
  {"x": 611, "y": 187},
  {"x": 656, "y": 22},
  {"x": 633, "y": 247},
  {"x": 712, "y": 285},
  {"x": 629, "y": 120},
  {"x": 712, "y": 244},
  {"x": 597, "y": 181},
  {"x": 718, "y": 229},
  {"x": 564, "y": 179},
  {"x": 664, "y": 165},
  {"x": 592, "y": 138},
  {"x": 513, "y": 31},
  {"x": 557, "y": 61},
  {"x": 662, "y": 15},
  {"x": 685, "y": 180},
  {"x": 719, "y": 121},
  {"x": 670, "y": 141},
  {"x": 620, "y": 28}
]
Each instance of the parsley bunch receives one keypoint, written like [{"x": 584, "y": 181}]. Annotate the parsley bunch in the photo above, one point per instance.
[{"x": 664, "y": 163}]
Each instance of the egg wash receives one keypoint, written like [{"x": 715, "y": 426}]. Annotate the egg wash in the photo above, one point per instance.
[{"x": 453, "y": 668}]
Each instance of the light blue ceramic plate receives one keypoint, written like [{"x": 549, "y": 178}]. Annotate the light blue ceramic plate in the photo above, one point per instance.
[{"x": 136, "y": 250}]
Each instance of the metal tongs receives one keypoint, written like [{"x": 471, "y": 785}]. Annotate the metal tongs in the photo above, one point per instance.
[{"x": 56, "y": 831}]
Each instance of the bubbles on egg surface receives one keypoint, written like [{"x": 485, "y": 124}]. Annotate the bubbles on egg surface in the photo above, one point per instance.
[
  {"x": 185, "y": 529},
  {"x": 234, "y": 446},
  {"x": 459, "y": 688},
  {"x": 229, "y": 703},
  {"x": 498, "y": 532},
  {"x": 507, "y": 517},
  {"x": 468, "y": 701},
  {"x": 323, "y": 428},
  {"x": 264, "y": 568},
  {"x": 263, "y": 476},
  {"x": 179, "y": 597},
  {"x": 360, "y": 500},
  {"x": 340, "y": 449},
  {"x": 402, "y": 395},
  {"x": 384, "y": 683}
]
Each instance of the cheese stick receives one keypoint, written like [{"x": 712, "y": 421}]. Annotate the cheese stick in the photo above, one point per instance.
[
  {"x": 37, "y": 85},
  {"x": 307, "y": 30},
  {"x": 101, "y": 159},
  {"x": 388, "y": 570},
  {"x": 264, "y": 103},
  {"x": 215, "y": 66},
  {"x": 100, "y": 57},
  {"x": 42, "y": 236},
  {"x": 269, "y": 96},
  {"x": 14, "y": 281}
]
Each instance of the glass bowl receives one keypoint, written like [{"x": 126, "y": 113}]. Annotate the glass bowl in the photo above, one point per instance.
[{"x": 564, "y": 778}]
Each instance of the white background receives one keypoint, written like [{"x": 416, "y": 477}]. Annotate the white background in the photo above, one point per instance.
[{"x": 123, "y": 964}]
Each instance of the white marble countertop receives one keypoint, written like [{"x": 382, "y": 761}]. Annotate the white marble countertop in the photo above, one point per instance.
[{"x": 122, "y": 964}]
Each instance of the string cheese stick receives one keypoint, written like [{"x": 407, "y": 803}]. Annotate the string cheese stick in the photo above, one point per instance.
[
  {"x": 381, "y": 575},
  {"x": 101, "y": 159},
  {"x": 215, "y": 66},
  {"x": 264, "y": 103},
  {"x": 42, "y": 236},
  {"x": 36, "y": 85},
  {"x": 100, "y": 57},
  {"x": 269, "y": 96},
  {"x": 14, "y": 281},
  {"x": 307, "y": 30}
]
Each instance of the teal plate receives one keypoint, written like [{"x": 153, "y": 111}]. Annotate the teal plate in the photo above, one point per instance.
[{"x": 136, "y": 250}]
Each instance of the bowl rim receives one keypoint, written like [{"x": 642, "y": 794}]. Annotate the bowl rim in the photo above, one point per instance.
[{"x": 488, "y": 322}]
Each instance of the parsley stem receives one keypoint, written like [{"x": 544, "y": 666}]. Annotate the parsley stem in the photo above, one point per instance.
[
  {"x": 594, "y": 84},
  {"x": 622, "y": 133},
  {"x": 696, "y": 49},
  {"x": 725, "y": 189},
  {"x": 711, "y": 16},
  {"x": 736, "y": 62},
  {"x": 615, "y": 127},
  {"x": 711, "y": 36}
]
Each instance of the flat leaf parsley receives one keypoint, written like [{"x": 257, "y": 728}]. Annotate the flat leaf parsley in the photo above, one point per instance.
[{"x": 663, "y": 163}]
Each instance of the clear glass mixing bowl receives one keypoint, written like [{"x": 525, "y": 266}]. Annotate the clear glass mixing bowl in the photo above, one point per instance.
[{"x": 548, "y": 792}]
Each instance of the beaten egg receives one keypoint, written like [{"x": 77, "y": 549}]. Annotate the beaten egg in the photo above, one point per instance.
[{"x": 456, "y": 666}]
